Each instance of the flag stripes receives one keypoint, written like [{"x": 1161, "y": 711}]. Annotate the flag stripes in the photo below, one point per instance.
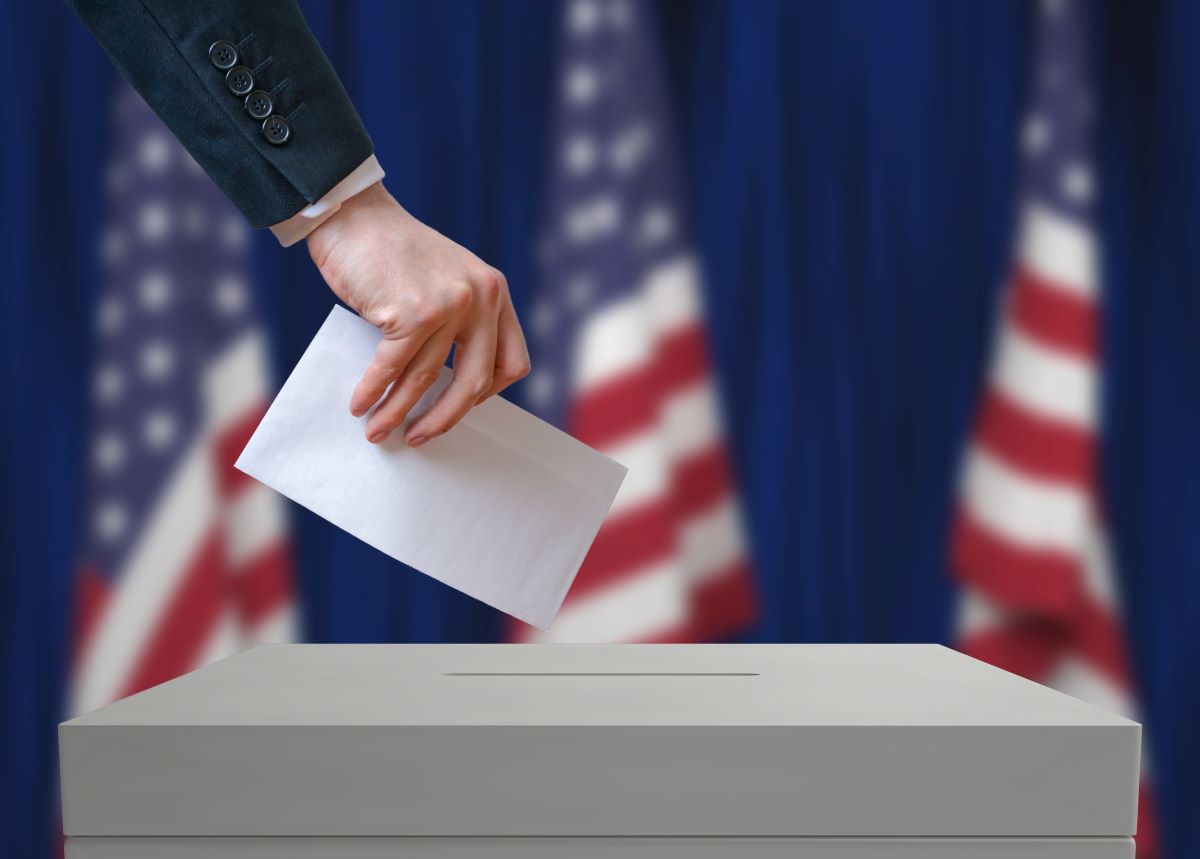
[
  {"x": 621, "y": 354},
  {"x": 1028, "y": 545},
  {"x": 187, "y": 561}
]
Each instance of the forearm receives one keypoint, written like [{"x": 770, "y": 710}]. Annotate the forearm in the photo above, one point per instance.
[{"x": 163, "y": 48}]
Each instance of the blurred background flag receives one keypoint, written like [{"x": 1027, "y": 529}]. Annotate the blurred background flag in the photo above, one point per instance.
[
  {"x": 620, "y": 351},
  {"x": 185, "y": 559},
  {"x": 1040, "y": 597}
]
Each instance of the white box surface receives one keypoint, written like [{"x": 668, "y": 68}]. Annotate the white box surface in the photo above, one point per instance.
[
  {"x": 599, "y": 848},
  {"x": 711, "y": 741}
]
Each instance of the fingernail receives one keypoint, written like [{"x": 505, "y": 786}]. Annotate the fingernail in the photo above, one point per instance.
[
  {"x": 417, "y": 441},
  {"x": 358, "y": 411},
  {"x": 377, "y": 436}
]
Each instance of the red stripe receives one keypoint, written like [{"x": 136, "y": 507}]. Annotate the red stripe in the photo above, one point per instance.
[
  {"x": 618, "y": 407},
  {"x": 227, "y": 447},
  {"x": 1032, "y": 645},
  {"x": 614, "y": 410},
  {"x": 700, "y": 481},
  {"x": 1053, "y": 315},
  {"x": 682, "y": 357},
  {"x": 1147, "y": 839},
  {"x": 625, "y": 546},
  {"x": 264, "y": 586},
  {"x": 185, "y": 625},
  {"x": 1046, "y": 582},
  {"x": 724, "y": 603},
  {"x": 674, "y": 634},
  {"x": 631, "y": 541},
  {"x": 91, "y": 598},
  {"x": 720, "y": 606},
  {"x": 1029, "y": 646},
  {"x": 1032, "y": 444},
  {"x": 1100, "y": 642}
]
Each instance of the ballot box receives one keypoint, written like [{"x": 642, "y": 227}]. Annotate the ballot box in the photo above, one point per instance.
[{"x": 599, "y": 752}]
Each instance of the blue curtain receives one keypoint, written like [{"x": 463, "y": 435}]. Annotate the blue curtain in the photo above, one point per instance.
[{"x": 851, "y": 168}]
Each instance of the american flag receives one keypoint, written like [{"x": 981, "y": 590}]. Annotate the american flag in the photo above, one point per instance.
[
  {"x": 620, "y": 348},
  {"x": 185, "y": 560},
  {"x": 1040, "y": 597}
]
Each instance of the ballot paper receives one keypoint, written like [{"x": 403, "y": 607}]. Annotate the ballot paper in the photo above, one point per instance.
[{"x": 503, "y": 507}]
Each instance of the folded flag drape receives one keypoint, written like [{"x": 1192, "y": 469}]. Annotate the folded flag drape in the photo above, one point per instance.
[
  {"x": 619, "y": 343},
  {"x": 1029, "y": 547},
  {"x": 185, "y": 560}
]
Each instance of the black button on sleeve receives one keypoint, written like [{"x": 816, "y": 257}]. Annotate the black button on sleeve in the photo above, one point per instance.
[
  {"x": 258, "y": 104},
  {"x": 223, "y": 55},
  {"x": 240, "y": 80},
  {"x": 276, "y": 130}
]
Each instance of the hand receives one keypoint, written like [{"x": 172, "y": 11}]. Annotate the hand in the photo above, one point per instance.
[{"x": 425, "y": 293}]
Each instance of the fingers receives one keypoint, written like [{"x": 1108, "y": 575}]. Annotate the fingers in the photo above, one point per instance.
[
  {"x": 406, "y": 330},
  {"x": 474, "y": 366},
  {"x": 417, "y": 378},
  {"x": 491, "y": 355},
  {"x": 512, "y": 356},
  {"x": 391, "y": 360}
]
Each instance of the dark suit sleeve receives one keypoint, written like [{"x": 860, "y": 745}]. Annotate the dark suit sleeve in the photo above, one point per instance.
[{"x": 310, "y": 137}]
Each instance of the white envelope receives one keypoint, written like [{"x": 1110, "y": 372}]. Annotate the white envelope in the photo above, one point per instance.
[{"x": 503, "y": 507}]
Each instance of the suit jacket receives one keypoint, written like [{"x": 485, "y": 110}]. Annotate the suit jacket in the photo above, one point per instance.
[{"x": 245, "y": 87}]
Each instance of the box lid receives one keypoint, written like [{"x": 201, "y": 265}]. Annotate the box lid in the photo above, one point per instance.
[{"x": 638, "y": 740}]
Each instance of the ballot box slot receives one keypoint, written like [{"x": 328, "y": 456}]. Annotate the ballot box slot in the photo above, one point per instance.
[{"x": 600, "y": 674}]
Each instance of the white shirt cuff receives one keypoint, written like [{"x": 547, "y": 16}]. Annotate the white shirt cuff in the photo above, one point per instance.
[{"x": 299, "y": 225}]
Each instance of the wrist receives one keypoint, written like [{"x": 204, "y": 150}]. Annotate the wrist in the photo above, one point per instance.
[
  {"x": 308, "y": 219},
  {"x": 347, "y": 220}
]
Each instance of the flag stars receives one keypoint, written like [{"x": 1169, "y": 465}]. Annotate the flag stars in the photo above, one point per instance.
[
  {"x": 154, "y": 291},
  {"x": 580, "y": 154},
  {"x": 157, "y": 361},
  {"x": 593, "y": 219},
  {"x": 112, "y": 519},
  {"x": 1077, "y": 183},
  {"x": 109, "y": 453},
  {"x": 230, "y": 295},
  {"x": 165, "y": 234},
  {"x": 582, "y": 85},
  {"x": 159, "y": 430},
  {"x": 154, "y": 222},
  {"x": 583, "y": 17},
  {"x": 155, "y": 153},
  {"x": 1035, "y": 136},
  {"x": 109, "y": 384}
]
